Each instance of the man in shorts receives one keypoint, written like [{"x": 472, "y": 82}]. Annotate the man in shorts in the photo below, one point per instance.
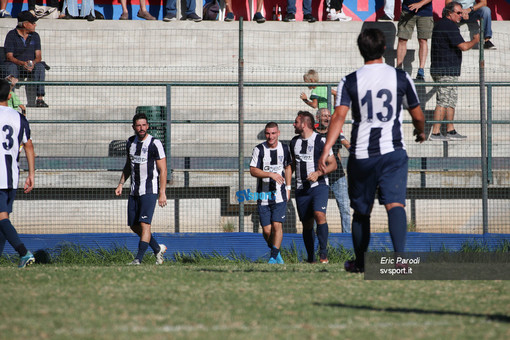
[
  {"x": 146, "y": 164},
  {"x": 312, "y": 184},
  {"x": 378, "y": 158},
  {"x": 415, "y": 13},
  {"x": 14, "y": 130},
  {"x": 271, "y": 165}
]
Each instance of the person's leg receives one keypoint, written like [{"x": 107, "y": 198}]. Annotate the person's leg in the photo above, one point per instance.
[
  {"x": 2, "y": 243},
  {"x": 145, "y": 238},
  {"x": 190, "y": 6},
  {"x": 422, "y": 52},
  {"x": 339, "y": 189},
  {"x": 401, "y": 51},
  {"x": 171, "y": 7},
  {"x": 307, "y": 7},
  {"x": 389, "y": 8},
  {"x": 485, "y": 14},
  {"x": 72, "y": 7},
  {"x": 360, "y": 237},
  {"x": 87, "y": 8},
  {"x": 397, "y": 225},
  {"x": 39, "y": 74},
  {"x": 309, "y": 239},
  {"x": 12, "y": 69},
  {"x": 291, "y": 6},
  {"x": 322, "y": 234},
  {"x": 439, "y": 114},
  {"x": 450, "y": 115}
]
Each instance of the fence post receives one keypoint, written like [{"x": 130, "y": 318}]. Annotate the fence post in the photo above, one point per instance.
[
  {"x": 483, "y": 133},
  {"x": 241, "y": 123}
]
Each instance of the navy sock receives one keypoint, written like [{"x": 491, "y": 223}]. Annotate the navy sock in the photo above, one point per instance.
[
  {"x": 309, "y": 240},
  {"x": 397, "y": 224},
  {"x": 274, "y": 252},
  {"x": 154, "y": 245},
  {"x": 11, "y": 235},
  {"x": 360, "y": 237},
  {"x": 322, "y": 235},
  {"x": 142, "y": 248},
  {"x": 2, "y": 243}
]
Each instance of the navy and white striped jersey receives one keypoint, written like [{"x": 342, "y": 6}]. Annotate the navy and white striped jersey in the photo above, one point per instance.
[
  {"x": 14, "y": 131},
  {"x": 377, "y": 94},
  {"x": 144, "y": 172},
  {"x": 307, "y": 152},
  {"x": 271, "y": 160}
]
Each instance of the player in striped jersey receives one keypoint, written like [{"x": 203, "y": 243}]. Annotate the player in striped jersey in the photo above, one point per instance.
[
  {"x": 146, "y": 164},
  {"x": 312, "y": 189},
  {"x": 271, "y": 164},
  {"x": 14, "y": 132},
  {"x": 376, "y": 94}
]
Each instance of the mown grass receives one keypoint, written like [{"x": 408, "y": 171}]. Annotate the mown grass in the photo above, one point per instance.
[{"x": 92, "y": 294}]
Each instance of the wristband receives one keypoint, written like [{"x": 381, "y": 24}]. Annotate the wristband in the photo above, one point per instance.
[{"x": 288, "y": 187}]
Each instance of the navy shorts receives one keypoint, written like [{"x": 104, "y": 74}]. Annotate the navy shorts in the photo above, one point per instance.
[
  {"x": 310, "y": 200},
  {"x": 272, "y": 213},
  {"x": 141, "y": 208},
  {"x": 387, "y": 172},
  {"x": 7, "y": 199}
]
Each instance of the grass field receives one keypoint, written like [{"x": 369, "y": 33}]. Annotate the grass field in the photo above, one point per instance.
[{"x": 242, "y": 300}]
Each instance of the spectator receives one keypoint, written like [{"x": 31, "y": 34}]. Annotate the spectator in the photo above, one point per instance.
[
  {"x": 337, "y": 179},
  {"x": 271, "y": 165},
  {"x": 142, "y": 13},
  {"x": 335, "y": 12},
  {"x": 258, "y": 17},
  {"x": 312, "y": 185},
  {"x": 389, "y": 11},
  {"x": 319, "y": 95},
  {"x": 3, "y": 11},
  {"x": 86, "y": 12},
  {"x": 472, "y": 10},
  {"x": 415, "y": 13},
  {"x": 307, "y": 11},
  {"x": 23, "y": 54},
  {"x": 171, "y": 11},
  {"x": 378, "y": 157},
  {"x": 446, "y": 55},
  {"x": 146, "y": 165}
]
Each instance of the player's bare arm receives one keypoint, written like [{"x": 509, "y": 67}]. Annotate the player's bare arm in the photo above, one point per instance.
[
  {"x": 161, "y": 165},
  {"x": 126, "y": 172},
  {"x": 331, "y": 166},
  {"x": 288, "y": 179},
  {"x": 418, "y": 123},
  {"x": 29, "y": 152},
  {"x": 259, "y": 173}
]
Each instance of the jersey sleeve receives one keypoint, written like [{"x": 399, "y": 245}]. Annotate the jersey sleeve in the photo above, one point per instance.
[
  {"x": 255, "y": 157},
  {"x": 411, "y": 96},
  {"x": 24, "y": 133},
  {"x": 159, "y": 151},
  {"x": 342, "y": 97}
]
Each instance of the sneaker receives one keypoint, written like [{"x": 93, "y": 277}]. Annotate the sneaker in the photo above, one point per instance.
[
  {"x": 90, "y": 17},
  {"x": 310, "y": 18},
  {"x": 193, "y": 17},
  {"x": 169, "y": 17},
  {"x": 272, "y": 260},
  {"x": 421, "y": 74},
  {"x": 40, "y": 103},
  {"x": 350, "y": 266},
  {"x": 258, "y": 17},
  {"x": 159, "y": 256},
  {"x": 455, "y": 135},
  {"x": 385, "y": 18},
  {"x": 26, "y": 260},
  {"x": 324, "y": 260},
  {"x": 135, "y": 262},
  {"x": 338, "y": 16},
  {"x": 5, "y": 14},
  {"x": 488, "y": 45},
  {"x": 124, "y": 16},
  {"x": 289, "y": 17},
  {"x": 230, "y": 17},
  {"x": 279, "y": 259},
  {"x": 145, "y": 15},
  {"x": 437, "y": 136}
]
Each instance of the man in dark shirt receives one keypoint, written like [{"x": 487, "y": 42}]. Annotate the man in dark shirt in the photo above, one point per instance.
[
  {"x": 446, "y": 60},
  {"x": 23, "y": 54}
]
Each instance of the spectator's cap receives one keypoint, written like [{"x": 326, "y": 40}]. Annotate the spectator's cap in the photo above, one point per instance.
[{"x": 26, "y": 16}]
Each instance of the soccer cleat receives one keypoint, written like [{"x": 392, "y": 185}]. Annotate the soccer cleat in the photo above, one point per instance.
[
  {"x": 437, "y": 137},
  {"x": 279, "y": 259},
  {"x": 135, "y": 262},
  {"x": 350, "y": 266},
  {"x": 272, "y": 260},
  {"x": 455, "y": 135},
  {"x": 323, "y": 260},
  {"x": 26, "y": 260},
  {"x": 159, "y": 256}
]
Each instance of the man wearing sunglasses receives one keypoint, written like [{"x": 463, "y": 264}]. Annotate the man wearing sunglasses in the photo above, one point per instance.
[{"x": 446, "y": 60}]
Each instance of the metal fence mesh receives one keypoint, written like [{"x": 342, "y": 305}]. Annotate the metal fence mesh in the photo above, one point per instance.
[{"x": 192, "y": 75}]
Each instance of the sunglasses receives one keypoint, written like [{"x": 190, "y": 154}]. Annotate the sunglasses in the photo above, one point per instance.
[{"x": 459, "y": 13}]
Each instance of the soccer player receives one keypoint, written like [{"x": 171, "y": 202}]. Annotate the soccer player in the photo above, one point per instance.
[
  {"x": 271, "y": 164},
  {"x": 14, "y": 130},
  {"x": 312, "y": 189},
  {"x": 146, "y": 164},
  {"x": 378, "y": 159}
]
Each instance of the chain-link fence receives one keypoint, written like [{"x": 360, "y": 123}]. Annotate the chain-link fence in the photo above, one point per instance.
[{"x": 202, "y": 88}]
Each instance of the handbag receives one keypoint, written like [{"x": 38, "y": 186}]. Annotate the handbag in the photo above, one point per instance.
[{"x": 46, "y": 12}]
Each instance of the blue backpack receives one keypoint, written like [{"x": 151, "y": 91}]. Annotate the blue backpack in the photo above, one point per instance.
[{"x": 211, "y": 10}]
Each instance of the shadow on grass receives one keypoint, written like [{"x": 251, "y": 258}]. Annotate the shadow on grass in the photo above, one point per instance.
[{"x": 492, "y": 317}]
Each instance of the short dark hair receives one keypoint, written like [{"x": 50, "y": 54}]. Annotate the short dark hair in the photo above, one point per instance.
[
  {"x": 138, "y": 116},
  {"x": 308, "y": 118},
  {"x": 271, "y": 125},
  {"x": 371, "y": 44},
  {"x": 450, "y": 8},
  {"x": 5, "y": 89}
]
